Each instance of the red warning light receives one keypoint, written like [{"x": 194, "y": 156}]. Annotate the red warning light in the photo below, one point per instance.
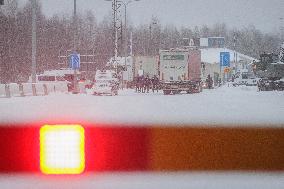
[{"x": 62, "y": 149}]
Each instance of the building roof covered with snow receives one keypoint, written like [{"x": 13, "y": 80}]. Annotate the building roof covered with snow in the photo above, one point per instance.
[{"x": 212, "y": 55}]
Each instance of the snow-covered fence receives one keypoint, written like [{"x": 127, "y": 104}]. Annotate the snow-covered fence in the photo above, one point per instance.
[
  {"x": 27, "y": 89},
  {"x": 57, "y": 87},
  {"x": 61, "y": 87},
  {"x": 34, "y": 89},
  {"x": 50, "y": 88},
  {"x": 40, "y": 89},
  {"x": 2, "y": 90},
  {"x": 15, "y": 89}
]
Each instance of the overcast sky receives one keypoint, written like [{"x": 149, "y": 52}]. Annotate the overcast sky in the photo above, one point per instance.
[{"x": 264, "y": 14}]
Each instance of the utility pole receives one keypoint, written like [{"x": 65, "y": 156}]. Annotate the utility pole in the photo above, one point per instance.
[
  {"x": 235, "y": 53},
  {"x": 125, "y": 35},
  {"x": 75, "y": 82},
  {"x": 281, "y": 27},
  {"x": 33, "y": 41},
  {"x": 115, "y": 9}
]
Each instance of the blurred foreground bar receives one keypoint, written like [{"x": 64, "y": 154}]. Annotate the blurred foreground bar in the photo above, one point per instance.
[{"x": 155, "y": 148}]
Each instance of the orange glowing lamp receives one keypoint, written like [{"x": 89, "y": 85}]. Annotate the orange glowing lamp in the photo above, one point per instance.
[{"x": 62, "y": 149}]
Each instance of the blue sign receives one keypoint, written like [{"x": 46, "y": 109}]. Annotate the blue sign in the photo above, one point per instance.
[
  {"x": 225, "y": 59},
  {"x": 74, "y": 61},
  {"x": 217, "y": 42}
]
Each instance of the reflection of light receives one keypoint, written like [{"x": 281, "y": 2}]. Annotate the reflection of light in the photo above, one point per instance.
[{"x": 62, "y": 149}]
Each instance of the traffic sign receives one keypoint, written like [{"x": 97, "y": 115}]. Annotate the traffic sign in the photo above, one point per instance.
[
  {"x": 225, "y": 59},
  {"x": 227, "y": 70},
  {"x": 74, "y": 61}
]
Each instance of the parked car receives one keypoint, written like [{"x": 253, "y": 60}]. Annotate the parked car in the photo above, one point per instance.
[{"x": 252, "y": 81}]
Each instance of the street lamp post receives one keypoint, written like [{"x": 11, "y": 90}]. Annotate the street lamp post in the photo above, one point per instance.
[
  {"x": 33, "y": 41},
  {"x": 150, "y": 38},
  {"x": 115, "y": 6},
  {"x": 281, "y": 30},
  {"x": 125, "y": 28},
  {"x": 75, "y": 81}
]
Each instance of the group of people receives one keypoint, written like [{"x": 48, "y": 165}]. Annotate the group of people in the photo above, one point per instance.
[
  {"x": 209, "y": 82},
  {"x": 144, "y": 84}
]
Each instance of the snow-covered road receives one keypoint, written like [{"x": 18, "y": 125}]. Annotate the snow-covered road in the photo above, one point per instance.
[
  {"x": 228, "y": 106},
  {"x": 182, "y": 180}
]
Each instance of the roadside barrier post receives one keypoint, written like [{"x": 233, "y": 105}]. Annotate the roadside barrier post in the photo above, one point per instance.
[
  {"x": 7, "y": 91},
  {"x": 45, "y": 89},
  {"x": 34, "y": 89}
]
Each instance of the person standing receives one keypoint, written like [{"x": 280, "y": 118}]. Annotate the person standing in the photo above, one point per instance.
[{"x": 155, "y": 83}]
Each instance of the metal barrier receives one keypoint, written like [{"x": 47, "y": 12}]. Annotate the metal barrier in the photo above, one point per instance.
[
  {"x": 27, "y": 89},
  {"x": 34, "y": 89},
  {"x": 15, "y": 90},
  {"x": 40, "y": 91},
  {"x": 2, "y": 90},
  {"x": 61, "y": 87},
  {"x": 50, "y": 88}
]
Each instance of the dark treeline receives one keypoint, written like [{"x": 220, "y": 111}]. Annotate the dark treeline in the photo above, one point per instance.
[{"x": 55, "y": 36}]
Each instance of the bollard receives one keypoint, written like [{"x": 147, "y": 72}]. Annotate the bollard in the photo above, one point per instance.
[
  {"x": 7, "y": 91},
  {"x": 45, "y": 89},
  {"x": 21, "y": 89},
  {"x": 34, "y": 89}
]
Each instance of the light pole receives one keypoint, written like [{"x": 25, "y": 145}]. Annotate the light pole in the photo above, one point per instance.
[
  {"x": 33, "y": 41},
  {"x": 150, "y": 39},
  {"x": 125, "y": 25},
  {"x": 75, "y": 82},
  {"x": 115, "y": 8},
  {"x": 125, "y": 32},
  {"x": 281, "y": 27}
]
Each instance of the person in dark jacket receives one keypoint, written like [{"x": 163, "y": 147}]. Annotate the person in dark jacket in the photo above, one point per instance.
[
  {"x": 155, "y": 83},
  {"x": 209, "y": 82},
  {"x": 147, "y": 84}
]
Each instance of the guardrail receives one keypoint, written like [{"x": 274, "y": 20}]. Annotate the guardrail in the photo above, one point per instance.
[{"x": 31, "y": 89}]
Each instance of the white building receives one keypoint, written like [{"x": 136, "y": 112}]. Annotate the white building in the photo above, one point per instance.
[{"x": 210, "y": 58}]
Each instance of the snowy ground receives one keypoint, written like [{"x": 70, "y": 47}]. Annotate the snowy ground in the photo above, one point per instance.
[
  {"x": 210, "y": 180},
  {"x": 229, "y": 106}
]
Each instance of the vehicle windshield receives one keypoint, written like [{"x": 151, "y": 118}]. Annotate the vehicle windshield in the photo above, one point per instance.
[{"x": 142, "y": 94}]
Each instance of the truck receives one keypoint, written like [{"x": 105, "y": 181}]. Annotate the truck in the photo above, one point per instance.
[
  {"x": 180, "y": 70},
  {"x": 270, "y": 70}
]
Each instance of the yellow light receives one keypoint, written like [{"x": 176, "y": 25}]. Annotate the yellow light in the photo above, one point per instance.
[{"x": 62, "y": 149}]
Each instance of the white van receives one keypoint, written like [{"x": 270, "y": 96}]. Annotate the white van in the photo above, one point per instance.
[
  {"x": 243, "y": 77},
  {"x": 106, "y": 83}
]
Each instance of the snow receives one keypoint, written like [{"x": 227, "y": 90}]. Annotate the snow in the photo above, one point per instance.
[
  {"x": 227, "y": 106},
  {"x": 212, "y": 55},
  {"x": 182, "y": 180}
]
